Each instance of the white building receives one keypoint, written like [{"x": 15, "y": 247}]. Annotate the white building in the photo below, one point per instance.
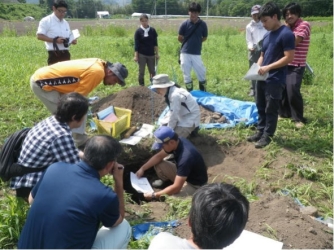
[
  {"x": 102, "y": 14},
  {"x": 137, "y": 15}
]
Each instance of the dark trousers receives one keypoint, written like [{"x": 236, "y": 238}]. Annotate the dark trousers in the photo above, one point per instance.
[
  {"x": 268, "y": 96},
  {"x": 23, "y": 193},
  {"x": 142, "y": 62},
  {"x": 292, "y": 101},
  {"x": 58, "y": 56},
  {"x": 253, "y": 82}
]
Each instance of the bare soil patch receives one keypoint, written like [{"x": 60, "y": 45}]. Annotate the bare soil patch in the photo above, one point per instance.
[{"x": 282, "y": 214}]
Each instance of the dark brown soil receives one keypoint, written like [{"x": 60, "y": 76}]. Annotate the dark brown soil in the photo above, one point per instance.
[{"x": 281, "y": 214}]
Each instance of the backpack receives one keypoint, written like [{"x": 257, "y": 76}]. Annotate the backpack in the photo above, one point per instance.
[{"x": 10, "y": 153}]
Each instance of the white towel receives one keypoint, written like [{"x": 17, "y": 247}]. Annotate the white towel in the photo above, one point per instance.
[{"x": 145, "y": 30}]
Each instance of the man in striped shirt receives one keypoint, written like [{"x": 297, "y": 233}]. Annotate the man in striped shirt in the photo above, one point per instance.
[{"x": 292, "y": 105}]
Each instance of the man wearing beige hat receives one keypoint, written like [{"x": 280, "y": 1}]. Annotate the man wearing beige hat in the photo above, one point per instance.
[
  {"x": 254, "y": 35},
  {"x": 82, "y": 76},
  {"x": 184, "y": 114}
]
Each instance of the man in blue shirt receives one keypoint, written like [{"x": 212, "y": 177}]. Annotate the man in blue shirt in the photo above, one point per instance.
[
  {"x": 69, "y": 203},
  {"x": 187, "y": 174},
  {"x": 192, "y": 33},
  {"x": 278, "y": 50}
]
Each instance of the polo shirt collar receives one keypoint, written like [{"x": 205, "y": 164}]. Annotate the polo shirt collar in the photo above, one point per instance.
[
  {"x": 56, "y": 18},
  {"x": 179, "y": 148},
  {"x": 88, "y": 169}
]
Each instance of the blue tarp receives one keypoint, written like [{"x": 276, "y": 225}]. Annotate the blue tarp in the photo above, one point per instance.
[
  {"x": 138, "y": 231},
  {"x": 234, "y": 110}
]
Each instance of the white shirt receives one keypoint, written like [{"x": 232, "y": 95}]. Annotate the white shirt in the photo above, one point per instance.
[
  {"x": 52, "y": 27},
  {"x": 254, "y": 33},
  {"x": 166, "y": 240},
  {"x": 183, "y": 110}
]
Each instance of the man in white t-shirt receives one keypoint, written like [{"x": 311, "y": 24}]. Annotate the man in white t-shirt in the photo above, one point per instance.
[
  {"x": 217, "y": 217},
  {"x": 55, "y": 31},
  {"x": 254, "y": 35}
]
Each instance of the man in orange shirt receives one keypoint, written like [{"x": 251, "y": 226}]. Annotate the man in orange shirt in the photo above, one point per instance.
[{"x": 82, "y": 76}]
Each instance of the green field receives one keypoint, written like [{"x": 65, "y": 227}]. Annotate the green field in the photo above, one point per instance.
[{"x": 225, "y": 57}]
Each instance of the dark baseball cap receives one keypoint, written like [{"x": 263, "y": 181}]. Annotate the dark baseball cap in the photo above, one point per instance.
[{"x": 119, "y": 70}]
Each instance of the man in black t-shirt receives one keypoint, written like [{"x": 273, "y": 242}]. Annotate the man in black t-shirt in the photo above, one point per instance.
[{"x": 187, "y": 174}]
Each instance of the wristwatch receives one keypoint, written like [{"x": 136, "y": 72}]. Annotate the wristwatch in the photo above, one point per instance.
[{"x": 153, "y": 196}]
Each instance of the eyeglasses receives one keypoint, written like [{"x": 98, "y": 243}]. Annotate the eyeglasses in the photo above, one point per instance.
[{"x": 62, "y": 11}]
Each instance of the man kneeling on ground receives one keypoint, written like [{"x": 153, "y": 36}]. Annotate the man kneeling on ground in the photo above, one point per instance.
[
  {"x": 70, "y": 202},
  {"x": 218, "y": 215},
  {"x": 187, "y": 174}
]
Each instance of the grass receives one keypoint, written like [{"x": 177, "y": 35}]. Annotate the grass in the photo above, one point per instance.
[{"x": 308, "y": 174}]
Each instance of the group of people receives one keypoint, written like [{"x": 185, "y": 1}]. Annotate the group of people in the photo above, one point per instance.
[
  {"x": 280, "y": 50},
  {"x": 68, "y": 201}
]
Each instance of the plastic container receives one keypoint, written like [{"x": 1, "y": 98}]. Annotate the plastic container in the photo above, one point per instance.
[{"x": 115, "y": 128}]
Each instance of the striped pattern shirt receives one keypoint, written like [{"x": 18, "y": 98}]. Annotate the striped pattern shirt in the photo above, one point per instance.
[
  {"x": 48, "y": 142},
  {"x": 301, "y": 29}
]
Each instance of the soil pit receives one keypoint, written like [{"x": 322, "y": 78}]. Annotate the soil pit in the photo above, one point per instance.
[{"x": 295, "y": 230}]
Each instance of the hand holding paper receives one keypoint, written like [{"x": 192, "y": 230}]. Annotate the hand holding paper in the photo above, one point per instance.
[{"x": 253, "y": 74}]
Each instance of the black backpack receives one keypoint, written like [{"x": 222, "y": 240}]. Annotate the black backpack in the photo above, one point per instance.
[{"x": 9, "y": 155}]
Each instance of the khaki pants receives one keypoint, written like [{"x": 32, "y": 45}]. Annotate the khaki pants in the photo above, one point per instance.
[
  {"x": 167, "y": 171},
  {"x": 184, "y": 131},
  {"x": 50, "y": 100}
]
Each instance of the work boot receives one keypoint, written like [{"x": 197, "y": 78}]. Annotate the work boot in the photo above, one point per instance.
[
  {"x": 255, "y": 137},
  {"x": 202, "y": 86},
  {"x": 251, "y": 93},
  {"x": 264, "y": 141},
  {"x": 189, "y": 86}
]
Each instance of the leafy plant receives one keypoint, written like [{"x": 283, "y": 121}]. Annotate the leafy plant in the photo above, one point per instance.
[{"x": 13, "y": 214}]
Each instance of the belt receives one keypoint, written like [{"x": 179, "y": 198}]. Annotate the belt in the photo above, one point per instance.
[{"x": 54, "y": 51}]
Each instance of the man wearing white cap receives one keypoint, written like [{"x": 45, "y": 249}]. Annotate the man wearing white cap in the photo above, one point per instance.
[
  {"x": 254, "y": 35},
  {"x": 82, "y": 76},
  {"x": 184, "y": 114}
]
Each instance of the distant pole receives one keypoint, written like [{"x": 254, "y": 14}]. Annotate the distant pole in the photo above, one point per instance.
[
  {"x": 166, "y": 8},
  {"x": 207, "y": 9}
]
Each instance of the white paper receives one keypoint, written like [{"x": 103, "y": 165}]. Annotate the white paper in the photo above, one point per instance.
[
  {"x": 74, "y": 35},
  {"x": 252, "y": 241},
  {"x": 132, "y": 140},
  {"x": 145, "y": 130},
  {"x": 252, "y": 74},
  {"x": 140, "y": 184}
]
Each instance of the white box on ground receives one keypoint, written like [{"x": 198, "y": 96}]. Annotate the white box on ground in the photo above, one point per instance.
[
  {"x": 145, "y": 130},
  {"x": 132, "y": 140},
  {"x": 252, "y": 241}
]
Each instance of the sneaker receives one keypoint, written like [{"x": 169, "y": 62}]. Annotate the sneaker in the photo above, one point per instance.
[
  {"x": 299, "y": 125},
  {"x": 255, "y": 137},
  {"x": 264, "y": 141},
  {"x": 157, "y": 183}
]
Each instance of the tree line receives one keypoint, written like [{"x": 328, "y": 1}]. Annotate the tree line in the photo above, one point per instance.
[{"x": 228, "y": 8}]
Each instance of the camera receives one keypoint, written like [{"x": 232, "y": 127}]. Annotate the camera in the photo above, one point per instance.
[{"x": 65, "y": 42}]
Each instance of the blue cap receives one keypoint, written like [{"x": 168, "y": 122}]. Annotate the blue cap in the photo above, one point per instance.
[{"x": 162, "y": 135}]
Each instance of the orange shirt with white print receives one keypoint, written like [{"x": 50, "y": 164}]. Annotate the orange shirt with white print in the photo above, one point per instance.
[{"x": 80, "y": 76}]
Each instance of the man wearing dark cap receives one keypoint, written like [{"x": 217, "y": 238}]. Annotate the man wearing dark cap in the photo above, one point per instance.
[
  {"x": 82, "y": 76},
  {"x": 254, "y": 35},
  {"x": 187, "y": 174}
]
